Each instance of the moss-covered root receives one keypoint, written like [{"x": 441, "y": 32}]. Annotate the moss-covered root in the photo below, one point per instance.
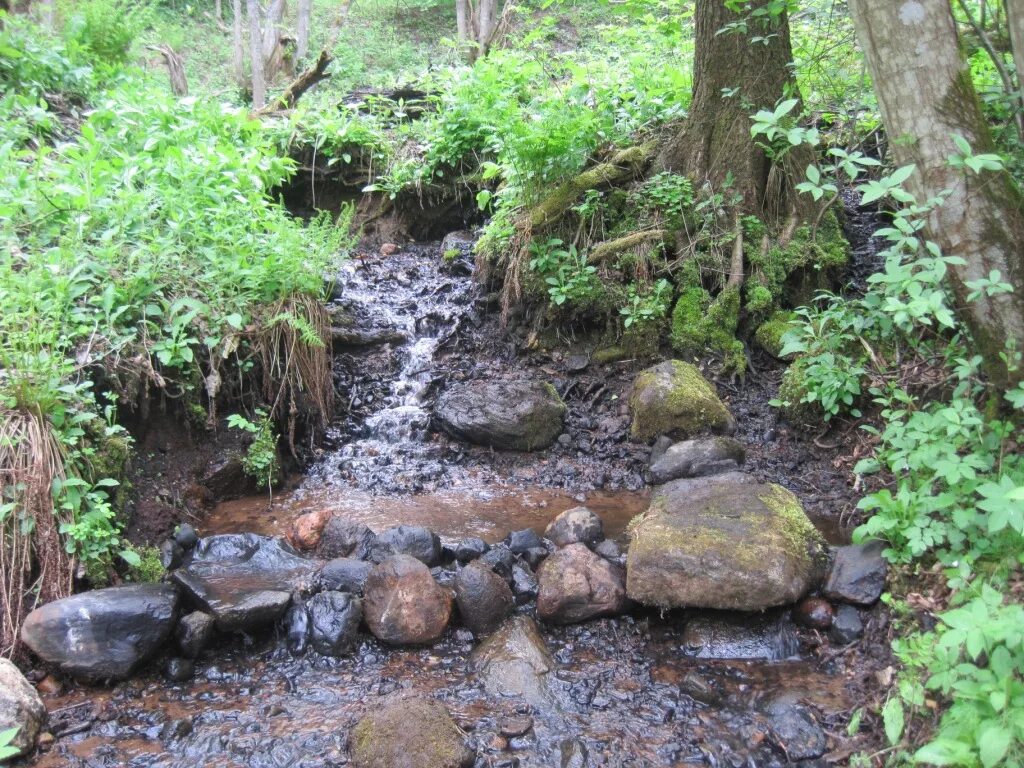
[
  {"x": 769, "y": 334},
  {"x": 609, "y": 249},
  {"x": 623, "y": 165},
  {"x": 700, "y": 325}
]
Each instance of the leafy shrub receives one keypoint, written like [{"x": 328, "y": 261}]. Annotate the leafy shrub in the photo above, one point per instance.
[
  {"x": 105, "y": 29},
  {"x": 260, "y": 461}
]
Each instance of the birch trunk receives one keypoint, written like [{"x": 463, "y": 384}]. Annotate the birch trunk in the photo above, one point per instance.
[
  {"x": 218, "y": 10},
  {"x": 305, "y": 10},
  {"x": 237, "y": 43},
  {"x": 1015, "y": 21},
  {"x": 259, "y": 86},
  {"x": 486, "y": 25},
  {"x": 926, "y": 96}
]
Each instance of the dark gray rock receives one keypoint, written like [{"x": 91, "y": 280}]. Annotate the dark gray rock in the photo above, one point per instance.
[
  {"x": 858, "y": 574},
  {"x": 179, "y": 670},
  {"x": 193, "y": 633},
  {"x": 186, "y": 536},
  {"x": 578, "y": 525},
  {"x": 847, "y": 626},
  {"x": 662, "y": 444},
  {"x": 106, "y": 634},
  {"x": 20, "y": 707},
  {"x": 344, "y": 574},
  {"x": 513, "y": 416},
  {"x": 610, "y": 550},
  {"x": 225, "y": 477},
  {"x": 534, "y": 556},
  {"x": 483, "y": 597},
  {"x": 172, "y": 555},
  {"x": 698, "y": 458},
  {"x": 296, "y": 625},
  {"x": 519, "y": 542},
  {"x": 499, "y": 559},
  {"x": 344, "y": 538},
  {"x": 524, "y": 583},
  {"x": 403, "y": 604},
  {"x": 334, "y": 619},
  {"x": 724, "y": 635},
  {"x": 576, "y": 585},
  {"x": 414, "y": 540},
  {"x": 470, "y": 549},
  {"x": 796, "y": 731}
]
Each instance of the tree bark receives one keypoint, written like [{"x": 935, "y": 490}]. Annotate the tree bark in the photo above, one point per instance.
[
  {"x": 259, "y": 85},
  {"x": 926, "y": 96},
  {"x": 487, "y": 23},
  {"x": 175, "y": 69},
  {"x": 735, "y": 76},
  {"x": 218, "y": 10},
  {"x": 1015, "y": 21},
  {"x": 302, "y": 20},
  {"x": 237, "y": 43}
]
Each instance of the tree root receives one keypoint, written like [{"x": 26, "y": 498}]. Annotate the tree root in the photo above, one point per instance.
[{"x": 605, "y": 251}]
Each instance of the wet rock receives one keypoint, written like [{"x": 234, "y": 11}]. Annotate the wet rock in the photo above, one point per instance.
[
  {"x": 403, "y": 604},
  {"x": 515, "y": 662},
  {"x": 470, "y": 549},
  {"x": 757, "y": 636},
  {"x": 796, "y": 732},
  {"x": 296, "y": 625},
  {"x": 344, "y": 574},
  {"x": 698, "y": 458},
  {"x": 522, "y": 541},
  {"x": 409, "y": 733},
  {"x": 534, "y": 556},
  {"x": 524, "y": 583},
  {"x": 813, "y": 613},
  {"x": 513, "y": 727},
  {"x": 414, "y": 540},
  {"x": 513, "y": 416},
  {"x": 847, "y": 626},
  {"x": 483, "y": 597},
  {"x": 186, "y": 536},
  {"x": 576, "y": 585},
  {"x": 573, "y": 754},
  {"x": 193, "y": 633},
  {"x": 179, "y": 670},
  {"x": 20, "y": 707},
  {"x": 858, "y": 574},
  {"x": 727, "y": 542},
  {"x": 366, "y": 337},
  {"x": 245, "y": 581},
  {"x": 344, "y": 538},
  {"x": 499, "y": 559},
  {"x": 673, "y": 398},
  {"x": 610, "y": 550},
  {"x": 176, "y": 729},
  {"x": 225, "y": 478},
  {"x": 307, "y": 528},
  {"x": 578, "y": 525},
  {"x": 662, "y": 444},
  {"x": 172, "y": 555},
  {"x": 334, "y": 619}
]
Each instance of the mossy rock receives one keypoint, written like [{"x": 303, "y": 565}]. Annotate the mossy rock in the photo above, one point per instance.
[
  {"x": 673, "y": 398},
  {"x": 409, "y": 733},
  {"x": 701, "y": 325},
  {"x": 769, "y": 334},
  {"x": 806, "y": 415},
  {"x": 726, "y": 542}
]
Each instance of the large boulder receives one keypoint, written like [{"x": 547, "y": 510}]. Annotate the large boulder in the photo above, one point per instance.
[
  {"x": 727, "y": 542},
  {"x": 578, "y": 525},
  {"x": 409, "y": 733},
  {"x": 484, "y": 598},
  {"x": 344, "y": 574},
  {"x": 858, "y": 574},
  {"x": 245, "y": 581},
  {"x": 20, "y": 707},
  {"x": 509, "y": 416},
  {"x": 673, "y": 398},
  {"x": 105, "y": 634},
  {"x": 403, "y": 604},
  {"x": 514, "y": 662},
  {"x": 576, "y": 585},
  {"x": 345, "y": 538},
  {"x": 697, "y": 458},
  {"x": 334, "y": 619},
  {"x": 415, "y": 540}
]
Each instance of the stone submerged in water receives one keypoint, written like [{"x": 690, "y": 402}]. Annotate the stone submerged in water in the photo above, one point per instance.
[
  {"x": 20, "y": 707},
  {"x": 576, "y": 585},
  {"x": 697, "y": 458},
  {"x": 334, "y": 619},
  {"x": 193, "y": 633},
  {"x": 858, "y": 574},
  {"x": 796, "y": 731},
  {"x": 483, "y": 597},
  {"x": 673, "y": 398},
  {"x": 403, "y": 605},
  {"x": 510, "y": 416},
  {"x": 727, "y": 542},
  {"x": 105, "y": 634},
  {"x": 578, "y": 525},
  {"x": 409, "y": 733},
  {"x": 514, "y": 662},
  {"x": 750, "y": 636}
]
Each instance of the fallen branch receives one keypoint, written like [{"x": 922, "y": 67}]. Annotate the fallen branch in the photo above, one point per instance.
[{"x": 299, "y": 85}]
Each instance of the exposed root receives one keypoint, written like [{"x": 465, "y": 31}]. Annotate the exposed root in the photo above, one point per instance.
[
  {"x": 607, "y": 250},
  {"x": 31, "y": 460}
]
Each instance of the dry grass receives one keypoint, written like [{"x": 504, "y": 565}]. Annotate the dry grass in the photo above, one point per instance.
[{"x": 34, "y": 567}]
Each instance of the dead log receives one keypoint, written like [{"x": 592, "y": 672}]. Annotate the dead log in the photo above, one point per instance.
[
  {"x": 175, "y": 68},
  {"x": 299, "y": 85}
]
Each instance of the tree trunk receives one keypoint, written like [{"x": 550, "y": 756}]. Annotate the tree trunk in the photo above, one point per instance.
[
  {"x": 175, "y": 68},
  {"x": 1015, "y": 21},
  {"x": 237, "y": 44},
  {"x": 464, "y": 21},
  {"x": 274, "y": 55},
  {"x": 302, "y": 29},
  {"x": 218, "y": 10},
  {"x": 735, "y": 76},
  {"x": 259, "y": 85},
  {"x": 487, "y": 23},
  {"x": 925, "y": 92}
]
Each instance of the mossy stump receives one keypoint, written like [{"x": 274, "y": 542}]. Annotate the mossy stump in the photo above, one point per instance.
[
  {"x": 727, "y": 542},
  {"x": 673, "y": 398}
]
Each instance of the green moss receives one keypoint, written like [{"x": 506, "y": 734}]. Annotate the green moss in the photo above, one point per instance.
[
  {"x": 150, "y": 569},
  {"x": 612, "y": 354},
  {"x": 700, "y": 325},
  {"x": 759, "y": 299},
  {"x": 769, "y": 334},
  {"x": 673, "y": 398},
  {"x": 801, "y": 539},
  {"x": 450, "y": 255},
  {"x": 791, "y": 393}
]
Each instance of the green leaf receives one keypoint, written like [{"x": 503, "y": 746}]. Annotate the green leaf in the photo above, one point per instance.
[
  {"x": 993, "y": 744},
  {"x": 901, "y": 174},
  {"x": 131, "y": 557},
  {"x": 892, "y": 718}
]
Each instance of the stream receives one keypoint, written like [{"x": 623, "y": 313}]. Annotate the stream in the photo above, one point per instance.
[{"x": 628, "y": 691}]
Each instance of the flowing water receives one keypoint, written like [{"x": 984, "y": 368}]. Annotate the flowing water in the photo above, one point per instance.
[{"x": 628, "y": 691}]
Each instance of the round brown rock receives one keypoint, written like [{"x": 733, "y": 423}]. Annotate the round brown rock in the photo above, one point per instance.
[
  {"x": 578, "y": 525},
  {"x": 402, "y": 603},
  {"x": 576, "y": 585},
  {"x": 814, "y": 613},
  {"x": 483, "y": 597},
  {"x": 409, "y": 733},
  {"x": 307, "y": 529}
]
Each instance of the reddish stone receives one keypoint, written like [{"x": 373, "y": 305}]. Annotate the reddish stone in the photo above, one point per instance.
[
  {"x": 307, "y": 528},
  {"x": 814, "y": 613}
]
